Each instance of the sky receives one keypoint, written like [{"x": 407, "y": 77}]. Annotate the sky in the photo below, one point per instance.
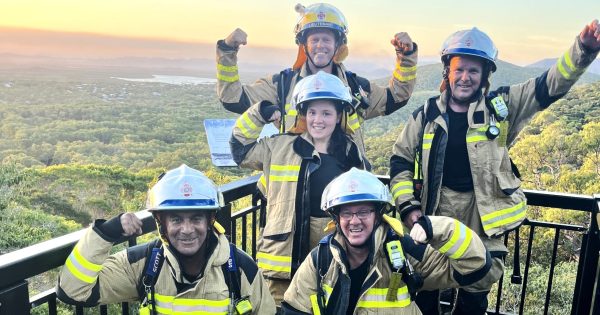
[{"x": 524, "y": 30}]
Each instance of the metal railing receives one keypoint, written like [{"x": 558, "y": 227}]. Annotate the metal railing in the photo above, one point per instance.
[{"x": 243, "y": 225}]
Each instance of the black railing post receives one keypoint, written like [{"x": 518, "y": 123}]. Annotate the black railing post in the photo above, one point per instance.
[
  {"x": 583, "y": 295},
  {"x": 14, "y": 299},
  {"x": 224, "y": 218}
]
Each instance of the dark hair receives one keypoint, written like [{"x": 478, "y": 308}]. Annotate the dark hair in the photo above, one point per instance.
[{"x": 337, "y": 146}]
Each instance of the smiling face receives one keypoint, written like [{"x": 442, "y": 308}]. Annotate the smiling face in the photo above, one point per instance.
[
  {"x": 464, "y": 76},
  {"x": 357, "y": 222},
  {"x": 186, "y": 230},
  {"x": 320, "y": 45},
  {"x": 321, "y": 118}
]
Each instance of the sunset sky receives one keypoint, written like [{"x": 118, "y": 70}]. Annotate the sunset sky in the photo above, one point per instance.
[{"x": 524, "y": 30}]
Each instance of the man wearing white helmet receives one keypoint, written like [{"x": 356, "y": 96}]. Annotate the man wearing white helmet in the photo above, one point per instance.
[
  {"x": 452, "y": 157},
  {"x": 368, "y": 266},
  {"x": 322, "y": 46},
  {"x": 296, "y": 166},
  {"x": 191, "y": 269}
]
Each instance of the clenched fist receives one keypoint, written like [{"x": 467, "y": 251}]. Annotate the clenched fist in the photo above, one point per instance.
[
  {"x": 402, "y": 43},
  {"x": 236, "y": 38}
]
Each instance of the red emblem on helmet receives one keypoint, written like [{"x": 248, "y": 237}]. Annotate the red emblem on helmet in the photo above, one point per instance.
[
  {"x": 186, "y": 190},
  {"x": 321, "y": 15},
  {"x": 353, "y": 185},
  {"x": 468, "y": 42},
  {"x": 318, "y": 84}
]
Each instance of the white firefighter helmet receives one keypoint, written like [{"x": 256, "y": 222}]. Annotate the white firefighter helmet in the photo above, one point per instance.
[
  {"x": 321, "y": 86},
  {"x": 320, "y": 15},
  {"x": 356, "y": 186},
  {"x": 471, "y": 42},
  {"x": 184, "y": 188}
]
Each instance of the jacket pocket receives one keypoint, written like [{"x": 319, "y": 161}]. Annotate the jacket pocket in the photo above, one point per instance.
[
  {"x": 279, "y": 225},
  {"x": 508, "y": 183}
]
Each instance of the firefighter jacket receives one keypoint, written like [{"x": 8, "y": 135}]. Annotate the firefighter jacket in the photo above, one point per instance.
[
  {"x": 287, "y": 161},
  {"x": 500, "y": 201},
  {"x": 453, "y": 257},
  {"x": 238, "y": 97},
  {"x": 92, "y": 276}
]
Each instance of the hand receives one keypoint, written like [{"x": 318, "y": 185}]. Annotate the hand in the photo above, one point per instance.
[
  {"x": 236, "y": 38},
  {"x": 276, "y": 119},
  {"x": 131, "y": 224},
  {"x": 412, "y": 218},
  {"x": 402, "y": 43},
  {"x": 590, "y": 36},
  {"x": 418, "y": 234}
]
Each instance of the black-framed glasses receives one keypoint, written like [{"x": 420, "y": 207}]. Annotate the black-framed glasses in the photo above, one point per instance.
[{"x": 361, "y": 214}]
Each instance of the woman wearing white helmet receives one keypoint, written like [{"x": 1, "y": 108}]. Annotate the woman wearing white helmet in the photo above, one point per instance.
[
  {"x": 452, "y": 157},
  {"x": 185, "y": 269},
  {"x": 296, "y": 167},
  {"x": 368, "y": 266}
]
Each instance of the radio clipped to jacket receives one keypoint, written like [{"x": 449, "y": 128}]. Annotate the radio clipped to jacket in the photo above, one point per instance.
[{"x": 498, "y": 113}]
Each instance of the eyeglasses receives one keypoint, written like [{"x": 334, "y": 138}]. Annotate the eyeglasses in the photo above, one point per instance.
[{"x": 361, "y": 215}]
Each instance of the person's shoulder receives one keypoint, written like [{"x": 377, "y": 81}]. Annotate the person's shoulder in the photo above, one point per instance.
[
  {"x": 246, "y": 263},
  {"x": 141, "y": 251}
]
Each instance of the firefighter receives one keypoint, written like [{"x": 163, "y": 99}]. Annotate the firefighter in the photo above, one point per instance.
[
  {"x": 322, "y": 46},
  {"x": 452, "y": 157},
  {"x": 296, "y": 166},
  {"x": 191, "y": 268},
  {"x": 368, "y": 266}
]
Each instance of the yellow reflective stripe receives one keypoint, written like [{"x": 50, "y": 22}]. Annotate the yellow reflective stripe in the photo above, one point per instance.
[
  {"x": 568, "y": 62},
  {"x": 170, "y": 305},
  {"x": 416, "y": 173},
  {"x": 476, "y": 135},
  {"x": 233, "y": 77},
  {"x": 404, "y": 74},
  {"x": 263, "y": 181},
  {"x": 571, "y": 68},
  {"x": 221, "y": 67},
  {"x": 247, "y": 126},
  {"x": 376, "y": 298},
  {"x": 427, "y": 140},
  {"x": 228, "y": 78},
  {"x": 459, "y": 241},
  {"x": 315, "y": 305},
  {"x": 504, "y": 216},
  {"x": 402, "y": 188},
  {"x": 82, "y": 268},
  {"x": 273, "y": 262},
  {"x": 353, "y": 121},
  {"x": 284, "y": 173},
  {"x": 292, "y": 112}
]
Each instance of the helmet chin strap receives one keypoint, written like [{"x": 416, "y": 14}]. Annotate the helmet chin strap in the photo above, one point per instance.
[{"x": 313, "y": 63}]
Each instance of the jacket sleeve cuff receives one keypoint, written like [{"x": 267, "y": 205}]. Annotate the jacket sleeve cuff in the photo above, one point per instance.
[
  {"x": 224, "y": 47},
  {"x": 425, "y": 223},
  {"x": 267, "y": 109},
  {"x": 110, "y": 230},
  {"x": 412, "y": 51},
  {"x": 408, "y": 207}
]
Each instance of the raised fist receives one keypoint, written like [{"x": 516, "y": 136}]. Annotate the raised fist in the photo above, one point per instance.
[
  {"x": 236, "y": 38},
  {"x": 402, "y": 43}
]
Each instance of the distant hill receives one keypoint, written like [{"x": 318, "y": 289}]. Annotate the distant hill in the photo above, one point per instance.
[{"x": 546, "y": 63}]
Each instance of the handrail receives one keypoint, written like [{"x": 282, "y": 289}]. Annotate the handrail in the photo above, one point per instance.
[
  {"x": 19, "y": 265},
  {"x": 33, "y": 260}
]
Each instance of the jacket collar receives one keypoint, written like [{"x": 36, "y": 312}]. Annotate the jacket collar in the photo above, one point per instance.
[
  {"x": 303, "y": 146},
  {"x": 338, "y": 69},
  {"x": 434, "y": 113}
]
